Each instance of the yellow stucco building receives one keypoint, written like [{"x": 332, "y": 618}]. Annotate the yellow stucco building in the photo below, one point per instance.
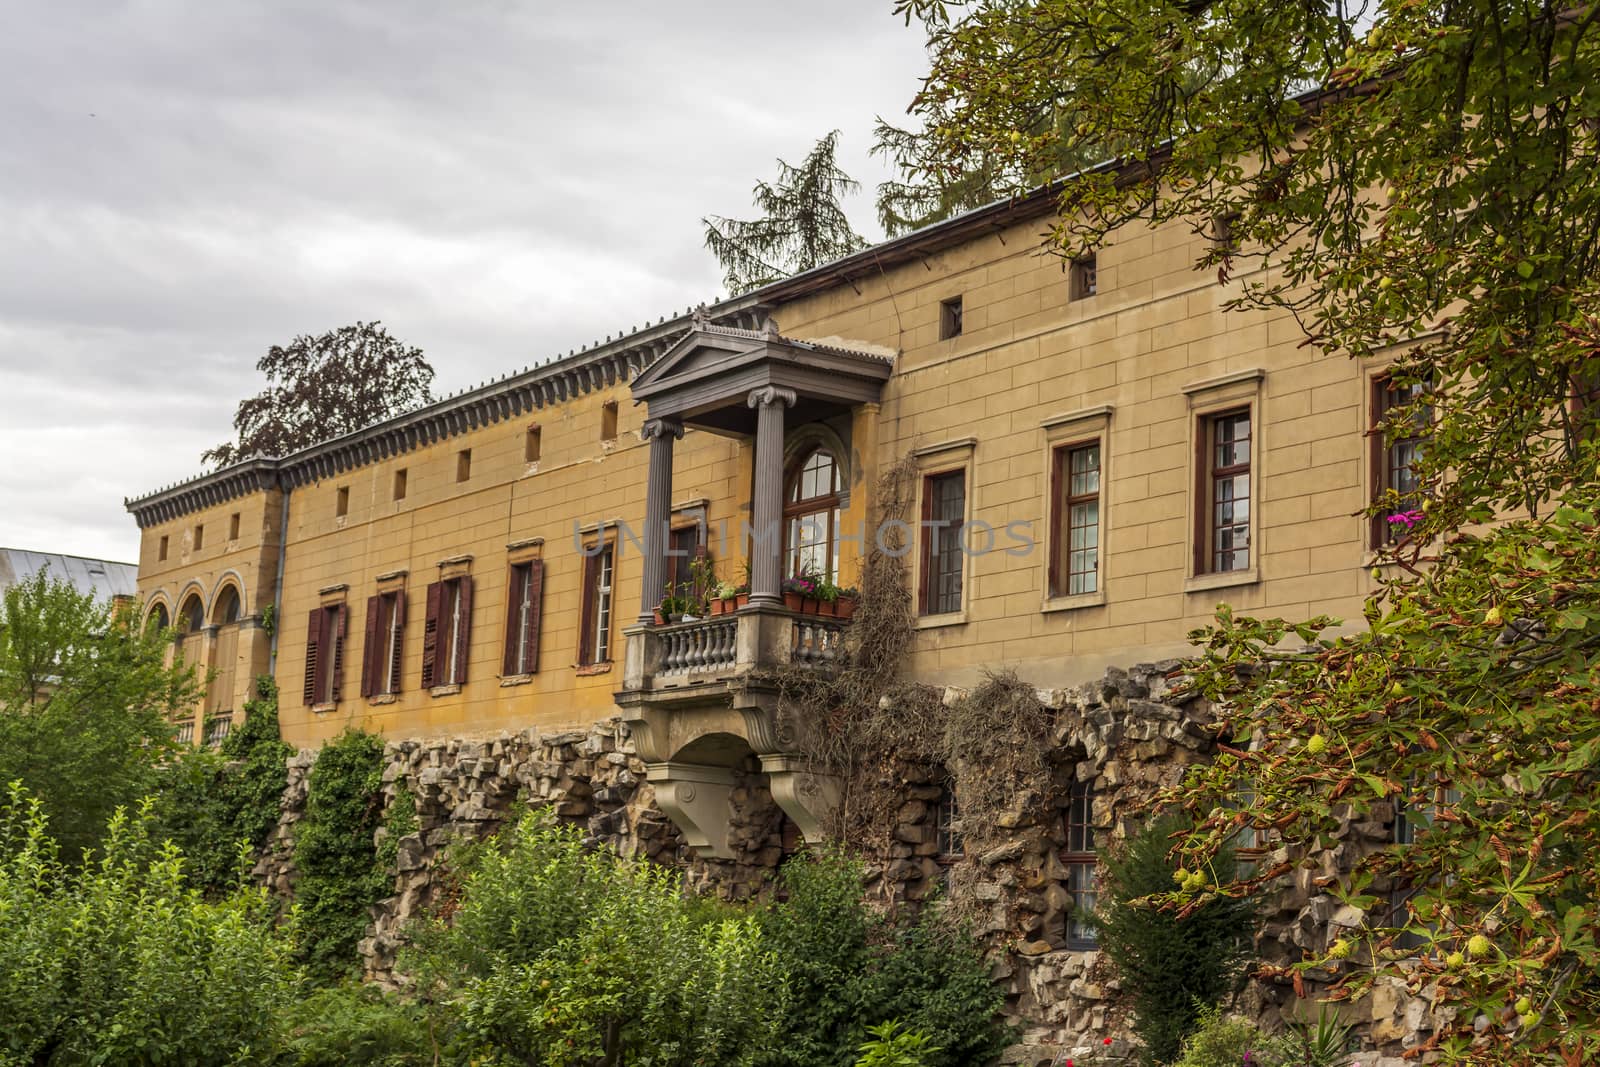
[{"x": 1101, "y": 455}]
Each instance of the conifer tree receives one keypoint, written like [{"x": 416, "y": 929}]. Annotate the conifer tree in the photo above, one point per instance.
[{"x": 802, "y": 223}]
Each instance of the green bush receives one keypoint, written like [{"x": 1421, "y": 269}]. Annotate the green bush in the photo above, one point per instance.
[
  {"x": 340, "y": 874},
  {"x": 561, "y": 954},
  {"x": 215, "y": 805},
  {"x": 1170, "y": 965},
  {"x": 850, "y": 969},
  {"x": 891, "y": 1045},
  {"x": 351, "y": 1025},
  {"x": 123, "y": 960},
  {"x": 1218, "y": 1040}
]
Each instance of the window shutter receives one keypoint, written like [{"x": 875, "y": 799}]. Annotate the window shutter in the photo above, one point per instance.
[
  {"x": 313, "y": 654},
  {"x": 341, "y": 621},
  {"x": 591, "y": 574},
  {"x": 463, "y": 631},
  {"x": 928, "y": 541},
  {"x": 530, "y": 656},
  {"x": 372, "y": 648},
  {"x": 430, "y": 635},
  {"x": 393, "y": 666},
  {"x": 514, "y": 594}
]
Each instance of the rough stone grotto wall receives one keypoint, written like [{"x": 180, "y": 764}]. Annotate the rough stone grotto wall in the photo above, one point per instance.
[{"x": 1127, "y": 734}]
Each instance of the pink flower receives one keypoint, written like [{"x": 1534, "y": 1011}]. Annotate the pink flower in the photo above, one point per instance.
[{"x": 1407, "y": 519}]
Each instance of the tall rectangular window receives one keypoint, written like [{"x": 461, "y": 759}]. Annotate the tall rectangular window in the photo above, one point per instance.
[
  {"x": 531, "y": 445},
  {"x": 608, "y": 421},
  {"x": 950, "y": 318},
  {"x": 1085, "y": 277},
  {"x": 595, "y": 639},
  {"x": 685, "y": 547},
  {"x": 464, "y": 464},
  {"x": 233, "y": 526},
  {"x": 522, "y": 618},
  {"x": 1394, "y": 462},
  {"x": 1222, "y": 537},
  {"x": 400, "y": 484},
  {"x": 446, "y": 632},
  {"x": 341, "y": 502},
  {"x": 161, "y": 549},
  {"x": 325, "y": 635},
  {"x": 1075, "y": 535},
  {"x": 380, "y": 667},
  {"x": 199, "y": 535},
  {"x": 1078, "y": 856},
  {"x": 944, "y": 510}
]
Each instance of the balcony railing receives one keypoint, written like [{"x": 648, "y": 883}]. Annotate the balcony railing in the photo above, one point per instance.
[
  {"x": 695, "y": 647},
  {"x": 723, "y": 646}
]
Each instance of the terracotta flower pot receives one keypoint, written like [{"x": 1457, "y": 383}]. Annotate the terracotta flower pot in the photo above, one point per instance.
[
  {"x": 826, "y": 608},
  {"x": 740, "y": 601},
  {"x": 793, "y": 601},
  {"x": 844, "y": 607},
  {"x": 810, "y": 605},
  {"x": 661, "y": 620}
]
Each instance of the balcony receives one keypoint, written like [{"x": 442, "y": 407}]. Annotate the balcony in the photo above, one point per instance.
[{"x": 721, "y": 648}]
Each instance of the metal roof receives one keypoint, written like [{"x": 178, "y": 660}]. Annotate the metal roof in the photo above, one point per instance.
[{"x": 99, "y": 578}]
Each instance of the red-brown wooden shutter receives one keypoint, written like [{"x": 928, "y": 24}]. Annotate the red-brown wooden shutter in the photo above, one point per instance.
[
  {"x": 371, "y": 648},
  {"x": 514, "y": 594},
  {"x": 530, "y": 651},
  {"x": 463, "y": 631},
  {"x": 591, "y": 575},
  {"x": 341, "y": 625},
  {"x": 313, "y": 654},
  {"x": 430, "y": 635},
  {"x": 399, "y": 640},
  {"x": 926, "y": 541}
]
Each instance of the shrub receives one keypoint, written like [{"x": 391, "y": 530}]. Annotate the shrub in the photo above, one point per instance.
[
  {"x": 850, "y": 969},
  {"x": 562, "y": 954},
  {"x": 215, "y": 805},
  {"x": 1170, "y": 964},
  {"x": 891, "y": 1045},
  {"x": 336, "y": 855},
  {"x": 351, "y": 1025},
  {"x": 123, "y": 960}
]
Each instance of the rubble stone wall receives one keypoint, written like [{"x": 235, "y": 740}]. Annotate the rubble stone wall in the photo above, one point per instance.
[{"x": 1128, "y": 735}]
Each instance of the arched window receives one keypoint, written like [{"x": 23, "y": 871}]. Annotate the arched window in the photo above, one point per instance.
[
  {"x": 157, "y": 619},
  {"x": 227, "y": 609},
  {"x": 192, "y": 618},
  {"x": 811, "y": 515},
  {"x": 1079, "y": 858}
]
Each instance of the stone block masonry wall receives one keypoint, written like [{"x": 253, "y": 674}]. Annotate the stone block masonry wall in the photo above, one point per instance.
[{"x": 1128, "y": 734}]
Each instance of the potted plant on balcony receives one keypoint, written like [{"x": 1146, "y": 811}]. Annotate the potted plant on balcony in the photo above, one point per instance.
[
  {"x": 729, "y": 598},
  {"x": 672, "y": 606},
  {"x": 827, "y": 596},
  {"x": 796, "y": 591},
  {"x": 844, "y": 605}
]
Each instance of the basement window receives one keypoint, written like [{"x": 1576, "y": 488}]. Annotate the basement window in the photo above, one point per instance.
[
  {"x": 608, "y": 421},
  {"x": 463, "y": 464},
  {"x": 531, "y": 445},
  {"x": 950, "y": 318},
  {"x": 400, "y": 484},
  {"x": 341, "y": 506}
]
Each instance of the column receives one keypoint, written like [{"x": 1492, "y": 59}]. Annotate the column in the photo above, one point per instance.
[
  {"x": 657, "y": 511},
  {"x": 766, "y": 545}
]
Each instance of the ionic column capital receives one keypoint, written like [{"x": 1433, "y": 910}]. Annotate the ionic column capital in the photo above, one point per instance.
[
  {"x": 769, "y": 395},
  {"x": 654, "y": 428}
]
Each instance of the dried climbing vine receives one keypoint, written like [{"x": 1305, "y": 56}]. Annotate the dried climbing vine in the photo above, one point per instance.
[{"x": 877, "y": 731}]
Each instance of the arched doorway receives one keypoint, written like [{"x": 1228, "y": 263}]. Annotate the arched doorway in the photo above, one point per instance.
[
  {"x": 191, "y": 650},
  {"x": 224, "y": 659}
]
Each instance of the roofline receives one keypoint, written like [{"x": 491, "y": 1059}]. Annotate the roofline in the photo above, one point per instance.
[
  {"x": 605, "y": 363},
  {"x": 68, "y": 555}
]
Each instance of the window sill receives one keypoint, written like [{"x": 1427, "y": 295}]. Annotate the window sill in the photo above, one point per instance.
[
  {"x": 587, "y": 669},
  {"x": 1077, "y": 602},
  {"x": 515, "y": 679},
  {"x": 384, "y": 698},
  {"x": 1200, "y": 583},
  {"x": 445, "y": 690},
  {"x": 323, "y": 709},
  {"x": 934, "y": 622}
]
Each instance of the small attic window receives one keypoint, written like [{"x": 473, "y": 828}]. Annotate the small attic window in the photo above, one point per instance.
[
  {"x": 233, "y": 526},
  {"x": 161, "y": 549},
  {"x": 950, "y": 318},
  {"x": 608, "y": 421},
  {"x": 1085, "y": 277},
  {"x": 400, "y": 484},
  {"x": 199, "y": 536},
  {"x": 463, "y": 464},
  {"x": 531, "y": 445},
  {"x": 341, "y": 505}
]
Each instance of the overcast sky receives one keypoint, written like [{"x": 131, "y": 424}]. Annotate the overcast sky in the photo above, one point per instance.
[{"x": 183, "y": 184}]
